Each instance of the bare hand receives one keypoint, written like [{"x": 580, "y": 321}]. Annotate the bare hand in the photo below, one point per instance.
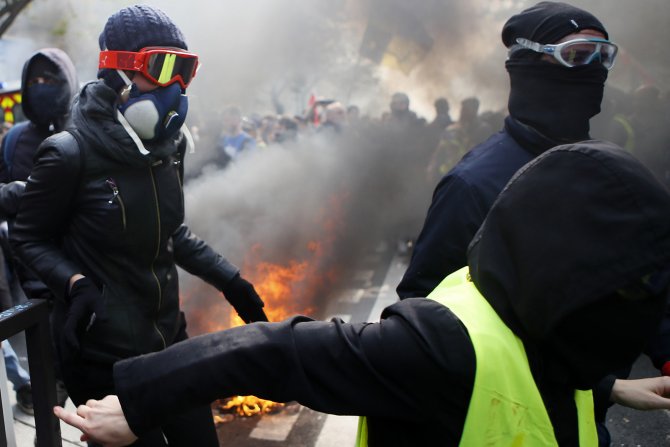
[
  {"x": 101, "y": 421},
  {"x": 642, "y": 394}
]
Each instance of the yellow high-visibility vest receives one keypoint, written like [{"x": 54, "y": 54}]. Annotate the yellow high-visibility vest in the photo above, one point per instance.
[{"x": 506, "y": 408}]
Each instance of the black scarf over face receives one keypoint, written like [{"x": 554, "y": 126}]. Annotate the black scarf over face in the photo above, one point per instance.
[{"x": 557, "y": 101}]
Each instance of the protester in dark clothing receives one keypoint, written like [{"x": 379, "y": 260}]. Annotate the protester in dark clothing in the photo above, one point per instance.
[
  {"x": 551, "y": 101},
  {"x": 456, "y": 140},
  {"x": 101, "y": 219},
  {"x": 436, "y": 129},
  {"x": 442, "y": 119},
  {"x": 402, "y": 117},
  {"x": 420, "y": 373},
  {"x": 48, "y": 84},
  {"x": 464, "y": 196}
]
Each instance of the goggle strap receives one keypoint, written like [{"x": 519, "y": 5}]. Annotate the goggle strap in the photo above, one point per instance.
[
  {"x": 124, "y": 77},
  {"x": 537, "y": 47},
  {"x": 122, "y": 60}
]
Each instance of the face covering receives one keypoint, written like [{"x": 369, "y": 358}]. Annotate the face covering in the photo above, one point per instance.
[
  {"x": 555, "y": 100},
  {"x": 47, "y": 104},
  {"x": 156, "y": 115}
]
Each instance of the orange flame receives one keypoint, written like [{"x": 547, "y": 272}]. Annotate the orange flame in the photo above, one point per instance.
[
  {"x": 249, "y": 405},
  {"x": 287, "y": 288}
]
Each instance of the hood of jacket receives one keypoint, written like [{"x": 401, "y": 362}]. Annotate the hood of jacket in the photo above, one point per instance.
[
  {"x": 569, "y": 232},
  {"x": 95, "y": 117},
  {"x": 65, "y": 72}
]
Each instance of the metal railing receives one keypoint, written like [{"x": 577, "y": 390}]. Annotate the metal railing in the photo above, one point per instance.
[{"x": 33, "y": 318}]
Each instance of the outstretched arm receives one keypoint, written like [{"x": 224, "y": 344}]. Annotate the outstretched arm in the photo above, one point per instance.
[{"x": 379, "y": 370}]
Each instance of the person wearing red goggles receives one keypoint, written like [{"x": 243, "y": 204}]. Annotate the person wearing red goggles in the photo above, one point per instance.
[
  {"x": 161, "y": 66},
  {"x": 126, "y": 144}
]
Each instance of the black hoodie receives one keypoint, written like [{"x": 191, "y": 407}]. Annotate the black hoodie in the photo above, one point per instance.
[
  {"x": 33, "y": 131},
  {"x": 572, "y": 227}
]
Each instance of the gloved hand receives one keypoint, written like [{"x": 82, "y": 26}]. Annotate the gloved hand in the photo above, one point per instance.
[
  {"x": 241, "y": 294},
  {"x": 86, "y": 308}
]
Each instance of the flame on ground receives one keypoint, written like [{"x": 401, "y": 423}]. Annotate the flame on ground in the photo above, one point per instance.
[{"x": 248, "y": 406}]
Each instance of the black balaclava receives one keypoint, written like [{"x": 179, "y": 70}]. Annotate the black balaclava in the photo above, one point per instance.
[
  {"x": 555, "y": 100},
  {"x": 49, "y": 101}
]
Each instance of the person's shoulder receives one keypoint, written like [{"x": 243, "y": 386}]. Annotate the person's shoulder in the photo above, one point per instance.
[{"x": 62, "y": 145}]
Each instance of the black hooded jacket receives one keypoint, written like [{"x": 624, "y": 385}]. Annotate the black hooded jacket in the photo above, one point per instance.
[
  {"x": 580, "y": 222},
  {"x": 96, "y": 205},
  {"x": 31, "y": 133}
]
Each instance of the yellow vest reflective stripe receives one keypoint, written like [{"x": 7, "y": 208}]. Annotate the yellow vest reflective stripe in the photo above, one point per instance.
[{"x": 506, "y": 408}]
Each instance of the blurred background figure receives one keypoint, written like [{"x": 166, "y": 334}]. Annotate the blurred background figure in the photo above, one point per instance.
[{"x": 234, "y": 140}]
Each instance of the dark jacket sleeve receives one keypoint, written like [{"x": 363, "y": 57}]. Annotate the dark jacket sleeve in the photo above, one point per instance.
[
  {"x": 44, "y": 212},
  {"x": 453, "y": 218},
  {"x": 196, "y": 257},
  {"x": 398, "y": 368}
]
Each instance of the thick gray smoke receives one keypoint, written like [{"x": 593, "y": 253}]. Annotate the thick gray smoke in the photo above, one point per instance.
[{"x": 270, "y": 55}]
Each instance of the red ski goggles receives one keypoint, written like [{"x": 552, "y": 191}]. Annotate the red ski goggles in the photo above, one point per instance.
[{"x": 162, "y": 66}]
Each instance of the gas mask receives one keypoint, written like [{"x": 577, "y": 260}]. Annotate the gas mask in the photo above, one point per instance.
[{"x": 156, "y": 115}]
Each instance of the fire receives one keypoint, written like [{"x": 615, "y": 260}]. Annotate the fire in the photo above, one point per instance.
[
  {"x": 288, "y": 287},
  {"x": 249, "y": 405}
]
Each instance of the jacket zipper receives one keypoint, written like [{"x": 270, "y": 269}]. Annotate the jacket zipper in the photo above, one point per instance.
[
  {"x": 115, "y": 195},
  {"x": 158, "y": 246},
  {"x": 176, "y": 164}
]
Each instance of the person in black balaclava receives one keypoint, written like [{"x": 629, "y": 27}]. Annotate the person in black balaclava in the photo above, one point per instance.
[
  {"x": 549, "y": 104},
  {"x": 48, "y": 84},
  {"x": 554, "y": 92},
  {"x": 101, "y": 221}
]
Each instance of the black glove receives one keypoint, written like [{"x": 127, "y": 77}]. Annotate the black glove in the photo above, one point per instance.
[
  {"x": 86, "y": 307},
  {"x": 241, "y": 294}
]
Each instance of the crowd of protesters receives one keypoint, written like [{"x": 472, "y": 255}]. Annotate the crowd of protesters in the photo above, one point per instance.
[{"x": 638, "y": 121}]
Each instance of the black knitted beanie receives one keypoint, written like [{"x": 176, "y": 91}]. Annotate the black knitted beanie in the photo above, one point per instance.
[
  {"x": 133, "y": 28},
  {"x": 548, "y": 22}
]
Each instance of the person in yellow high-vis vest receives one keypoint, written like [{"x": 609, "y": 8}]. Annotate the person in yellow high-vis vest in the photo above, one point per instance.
[{"x": 503, "y": 352}]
